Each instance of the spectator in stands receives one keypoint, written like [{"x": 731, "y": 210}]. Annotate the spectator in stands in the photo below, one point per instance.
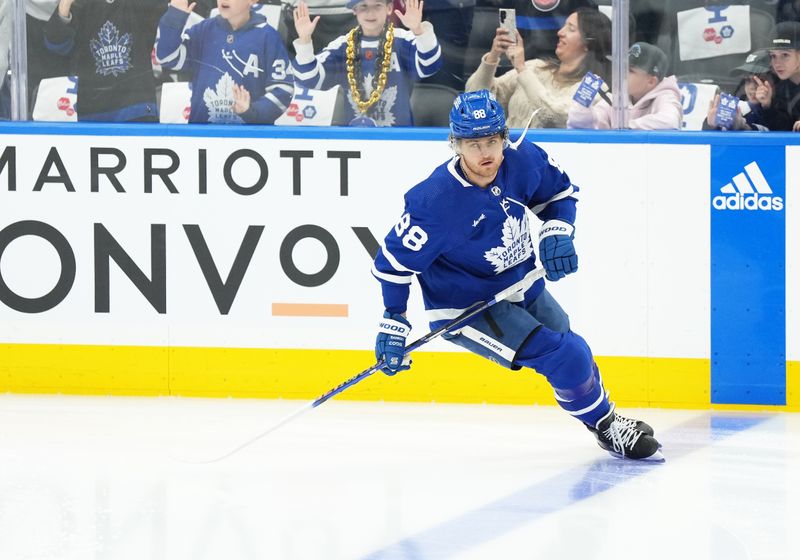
[
  {"x": 5, "y": 45},
  {"x": 756, "y": 66},
  {"x": 452, "y": 20},
  {"x": 336, "y": 19},
  {"x": 787, "y": 10},
  {"x": 546, "y": 86},
  {"x": 111, "y": 45},
  {"x": 375, "y": 63},
  {"x": 240, "y": 68},
  {"x": 655, "y": 98},
  {"x": 42, "y": 62},
  {"x": 781, "y": 103},
  {"x": 204, "y": 7},
  {"x": 538, "y": 22}
]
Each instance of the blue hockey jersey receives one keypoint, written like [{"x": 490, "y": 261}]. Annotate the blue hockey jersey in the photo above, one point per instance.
[
  {"x": 218, "y": 57},
  {"x": 413, "y": 58},
  {"x": 467, "y": 243}
]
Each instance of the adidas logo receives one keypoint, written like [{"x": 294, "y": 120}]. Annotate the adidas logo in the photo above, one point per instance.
[{"x": 748, "y": 190}]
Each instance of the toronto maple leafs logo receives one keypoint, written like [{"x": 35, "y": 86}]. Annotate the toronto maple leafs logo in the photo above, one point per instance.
[
  {"x": 111, "y": 51},
  {"x": 219, "y": 102},
  {"x": 382, "y": 112},
  {"x": 517, "y": 243}
]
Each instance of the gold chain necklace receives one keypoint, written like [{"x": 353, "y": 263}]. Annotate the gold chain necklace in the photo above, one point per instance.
[{"x": 363, "y": 106}]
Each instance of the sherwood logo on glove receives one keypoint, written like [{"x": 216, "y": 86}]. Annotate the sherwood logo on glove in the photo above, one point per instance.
[
  {"x": 555, "y": 227},
  {"x": 748, "y": 190}
]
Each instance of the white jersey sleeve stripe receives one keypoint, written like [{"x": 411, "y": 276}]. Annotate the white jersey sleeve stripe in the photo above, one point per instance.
[
  {"x": 434, "y": 315},
  {"x": 428, "y": 60},
  {"x": 394, "y": 262},
  {"x": 305, "y": 75},
  {"x": 393, "y": 278},
  {"x": 563, "y": 194},
  {"x": 179, "y": 53},
  {"x": 421, "y": 65}
]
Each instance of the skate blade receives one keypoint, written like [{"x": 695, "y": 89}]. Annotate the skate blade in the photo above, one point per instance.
[{"x": 656, "y": 457}]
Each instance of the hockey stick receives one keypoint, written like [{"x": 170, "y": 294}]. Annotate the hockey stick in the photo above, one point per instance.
[{"x": 455, "y": 324}]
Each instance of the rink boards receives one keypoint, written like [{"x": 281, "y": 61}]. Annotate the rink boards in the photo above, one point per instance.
[{"x": 220, "y": 261}]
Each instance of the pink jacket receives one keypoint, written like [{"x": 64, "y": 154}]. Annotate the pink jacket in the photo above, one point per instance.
[{"x": 658, "y": 109}]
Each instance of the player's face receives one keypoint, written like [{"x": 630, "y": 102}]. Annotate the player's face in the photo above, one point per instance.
[
  {"x": 372, "y": 15},
  {"x": 481, "y": 157},
  {"x": 786, "y": 64},
  {"x": 570, "y": 45}
]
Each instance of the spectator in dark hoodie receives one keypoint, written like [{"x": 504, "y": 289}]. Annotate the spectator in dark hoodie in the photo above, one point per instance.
[
  {"x": 782, "y": 103},
  {"x": 111, "y": 46}
]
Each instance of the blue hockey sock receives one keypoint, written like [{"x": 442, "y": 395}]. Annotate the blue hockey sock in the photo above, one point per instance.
[
  {"x": 588, "y": 402},
  {"x": 566, "y": 361}
]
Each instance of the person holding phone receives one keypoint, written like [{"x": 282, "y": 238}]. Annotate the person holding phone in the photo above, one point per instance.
[
  {"x": 545, "y": 87},
  {"x": 508, "y": 21}
]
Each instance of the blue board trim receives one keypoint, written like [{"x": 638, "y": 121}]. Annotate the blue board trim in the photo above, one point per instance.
[{"x": 400, "y": 133}]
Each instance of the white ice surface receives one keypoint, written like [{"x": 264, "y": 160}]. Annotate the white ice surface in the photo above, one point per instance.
[{"x": 104, "y": 478}]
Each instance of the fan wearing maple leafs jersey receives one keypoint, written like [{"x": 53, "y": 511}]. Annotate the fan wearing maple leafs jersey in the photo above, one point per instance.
[
  {"x": 110, "y": 45},
  {"x": 465, "y": 234},
  {"x": 385, "y": 60},
  {"x": 240, "y": 69}
]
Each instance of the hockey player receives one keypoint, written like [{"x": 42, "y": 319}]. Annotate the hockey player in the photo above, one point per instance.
[
  {"x": 375, "y": 63},
  {"x": 241, "y": 70},
  {"x": 464, "y": 233}
]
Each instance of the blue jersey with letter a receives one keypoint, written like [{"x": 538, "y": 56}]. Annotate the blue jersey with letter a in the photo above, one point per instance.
[
  {"x": 218, "y": 56},
  {"x": 413, "y": 57},
  {"x": 467, "y": 243}
]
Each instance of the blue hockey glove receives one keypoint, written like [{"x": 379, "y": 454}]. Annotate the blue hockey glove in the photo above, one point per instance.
[
  {"x": 556, "y": 250},
  {"x": 391, "y": 343}
]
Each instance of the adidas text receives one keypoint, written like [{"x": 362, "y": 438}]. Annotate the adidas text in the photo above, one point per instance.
[{"x": 753, "y": 201}]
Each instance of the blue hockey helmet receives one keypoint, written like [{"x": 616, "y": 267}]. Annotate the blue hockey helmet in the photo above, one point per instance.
[{"x": 476, "y": 114}]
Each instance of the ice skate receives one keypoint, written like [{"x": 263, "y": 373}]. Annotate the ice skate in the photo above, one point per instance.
[
  {"x": 636, "y": 424},
  {"x": 620, "y": 437}
]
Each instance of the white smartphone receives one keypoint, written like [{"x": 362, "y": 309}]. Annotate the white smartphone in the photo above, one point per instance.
[{"x": 508, "y": 21}]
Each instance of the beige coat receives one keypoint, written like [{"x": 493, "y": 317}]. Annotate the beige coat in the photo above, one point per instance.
[{"x": 522, "y": 93}]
